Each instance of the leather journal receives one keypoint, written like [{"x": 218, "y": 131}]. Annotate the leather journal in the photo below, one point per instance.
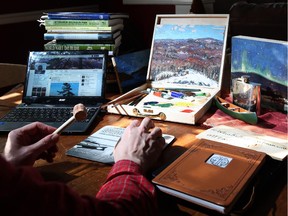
[{"x": 210, "y": 174}]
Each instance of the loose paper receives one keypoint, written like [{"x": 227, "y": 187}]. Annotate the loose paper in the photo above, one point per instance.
[{"x": 275, "y": 147}]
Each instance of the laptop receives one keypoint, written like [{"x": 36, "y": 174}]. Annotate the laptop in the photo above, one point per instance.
[{"x": 55, "y": 82}]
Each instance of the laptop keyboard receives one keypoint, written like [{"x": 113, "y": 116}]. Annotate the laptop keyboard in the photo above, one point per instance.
[{"x": 46, "y": 114}]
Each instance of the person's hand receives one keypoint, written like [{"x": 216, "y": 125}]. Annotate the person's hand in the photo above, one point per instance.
[
  {"x": 27, "y": 144},
  {"x": 140, "y": 144}
]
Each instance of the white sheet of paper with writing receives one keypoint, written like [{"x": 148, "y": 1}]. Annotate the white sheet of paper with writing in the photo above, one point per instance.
[{"x": 275, "y": 147}]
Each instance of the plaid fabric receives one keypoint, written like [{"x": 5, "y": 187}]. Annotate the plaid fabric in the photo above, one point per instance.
[{"x": 127, "y": 191}]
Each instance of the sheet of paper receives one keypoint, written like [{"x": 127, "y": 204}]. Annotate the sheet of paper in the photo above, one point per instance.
[{"x": 272, "y": 146}]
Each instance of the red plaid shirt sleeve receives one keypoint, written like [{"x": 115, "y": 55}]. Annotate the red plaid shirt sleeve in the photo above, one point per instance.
[{"x": 127, "y": 192}]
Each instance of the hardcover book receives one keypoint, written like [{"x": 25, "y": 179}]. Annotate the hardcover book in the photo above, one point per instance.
[
  {"x": 83, "y": 15},
  {"x": 184, "y": 71},
  {"x": 99, "y": 23},
  {"x": 265, "y": 62},
  {"x": 117, "y": 27},
  {"x": 84, "y": 44},
  {"x": 53, "y": 45},
  {"x": 79, "y": 36},
  {"x": 210, "y": 174}
]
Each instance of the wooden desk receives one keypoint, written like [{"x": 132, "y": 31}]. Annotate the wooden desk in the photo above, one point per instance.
[{"x": 86, "y": 177}]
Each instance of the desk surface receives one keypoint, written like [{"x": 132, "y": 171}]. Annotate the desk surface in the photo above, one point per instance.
[{"x": 86, "y": 177}]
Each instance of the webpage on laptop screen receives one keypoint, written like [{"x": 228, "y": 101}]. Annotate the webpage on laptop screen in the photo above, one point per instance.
[{"x": 66, "y": 75}]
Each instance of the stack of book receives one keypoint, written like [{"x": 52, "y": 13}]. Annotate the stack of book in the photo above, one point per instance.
[{"x": 83, "y": 31}]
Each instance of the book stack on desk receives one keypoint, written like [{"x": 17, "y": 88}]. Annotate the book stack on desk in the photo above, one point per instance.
[{"x": 83, "y": 31}]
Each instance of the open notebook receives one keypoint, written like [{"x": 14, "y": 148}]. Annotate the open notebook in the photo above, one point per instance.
[{"x": 55, "y": 82}]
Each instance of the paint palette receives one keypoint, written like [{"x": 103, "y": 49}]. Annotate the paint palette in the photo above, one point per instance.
[{"x": 184, "y": 72}]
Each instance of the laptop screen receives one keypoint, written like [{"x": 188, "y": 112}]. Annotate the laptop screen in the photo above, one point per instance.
[{"x": 65, "y": 76}]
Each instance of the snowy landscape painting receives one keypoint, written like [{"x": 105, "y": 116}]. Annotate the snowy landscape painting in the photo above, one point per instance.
[{"x": 187, "y": 55}]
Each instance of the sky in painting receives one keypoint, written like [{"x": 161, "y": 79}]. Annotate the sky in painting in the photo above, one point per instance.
[
  {"x": 266, "y": 58},
  {"x": 172, "y": 31}
]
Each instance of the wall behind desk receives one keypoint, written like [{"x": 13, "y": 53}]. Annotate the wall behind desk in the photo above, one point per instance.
[{"x": 20, "y": 31}]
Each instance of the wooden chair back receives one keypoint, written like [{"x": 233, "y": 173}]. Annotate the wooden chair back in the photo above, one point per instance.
[{"x": 11, "y": 75}]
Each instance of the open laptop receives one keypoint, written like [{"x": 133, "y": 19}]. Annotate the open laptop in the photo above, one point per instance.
[{"x": 57, "y": 81}]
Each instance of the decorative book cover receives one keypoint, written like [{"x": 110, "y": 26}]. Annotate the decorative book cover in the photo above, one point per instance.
[
  {"x": 210, "y": 174},
  {"x": 265, "y": 62}
]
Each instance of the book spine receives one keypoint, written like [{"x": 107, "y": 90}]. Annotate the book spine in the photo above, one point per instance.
[
  {"x": 65, "y": 31},
  {"x": 81, "y": 42},
  {"x": 77, "y": 36},
  {"x": 82, "y": 28},
  {"x": 76, "y": 23},
  {"x": 56, "y": 46},
  {"x": 76, "y": 16}
]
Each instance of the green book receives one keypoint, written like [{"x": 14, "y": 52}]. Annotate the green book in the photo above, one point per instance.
[
  {"x": 82, "y": 23},
  {"x": 72, "y": 28},
  {"x": 72, "y": 46}
]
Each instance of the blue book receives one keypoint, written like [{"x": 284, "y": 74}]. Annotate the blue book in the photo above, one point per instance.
[{"x": 84, "y": 15}]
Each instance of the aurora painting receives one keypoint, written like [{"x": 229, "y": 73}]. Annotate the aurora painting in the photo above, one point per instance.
[{"x": 265, "y": 61}]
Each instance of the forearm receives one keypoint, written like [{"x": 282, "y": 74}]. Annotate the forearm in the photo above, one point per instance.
[
  {"x": 24, "y": 192},
  {"x": 127, "y": 191}
]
